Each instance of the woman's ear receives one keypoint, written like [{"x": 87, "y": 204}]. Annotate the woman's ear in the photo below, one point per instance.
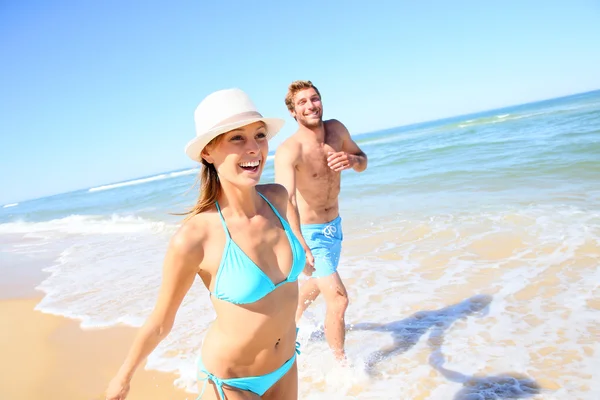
[{"x": 205, "y": 154}]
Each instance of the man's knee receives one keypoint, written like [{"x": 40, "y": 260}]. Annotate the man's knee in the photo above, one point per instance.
[
  {"x": 343, "y": 300},
  {"x": 339, "y": 302}
]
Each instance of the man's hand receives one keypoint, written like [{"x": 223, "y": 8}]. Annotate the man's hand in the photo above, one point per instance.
[
  {"x": 309, "y": 267},
  {"x": 340, "y": 161}
]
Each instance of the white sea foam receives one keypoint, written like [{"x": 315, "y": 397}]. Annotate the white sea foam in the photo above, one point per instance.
[
  {"x": 438, "y": 292},
  {"x": 85, "y": 225},
  {"x": 145, "y": 180},
  {"x": 10, "y": 205},
  {"x": 499, "y": 119},
  {"x": 154, "y": 178}
]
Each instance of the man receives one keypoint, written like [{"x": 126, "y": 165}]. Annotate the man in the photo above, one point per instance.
[{"x": 309, "y": 165}]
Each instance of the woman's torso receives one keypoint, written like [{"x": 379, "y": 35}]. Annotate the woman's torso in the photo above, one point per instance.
[{"x": 250, "y": 338}]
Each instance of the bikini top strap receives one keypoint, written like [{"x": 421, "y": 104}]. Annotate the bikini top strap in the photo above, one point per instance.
[
  {"x": 273, "y": 208},
  {"x": 222, "y": 219}
]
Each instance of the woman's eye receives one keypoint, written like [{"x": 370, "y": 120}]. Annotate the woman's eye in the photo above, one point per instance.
[
  {"x": 261, "y": 135},
  {"x": 237, "y": 137}
]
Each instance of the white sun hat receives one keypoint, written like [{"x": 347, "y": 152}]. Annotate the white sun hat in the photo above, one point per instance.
[{"x": 221, "y": 112}]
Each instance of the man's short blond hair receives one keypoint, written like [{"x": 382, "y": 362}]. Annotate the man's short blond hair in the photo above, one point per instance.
[{"x": 296, "y": 87}]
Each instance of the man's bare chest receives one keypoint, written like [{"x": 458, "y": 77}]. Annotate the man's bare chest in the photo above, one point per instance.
[{"x": 314, "y": 161}]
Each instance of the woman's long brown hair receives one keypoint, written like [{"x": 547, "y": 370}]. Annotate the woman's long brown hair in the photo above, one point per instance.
[{"x": 210, "y": 187}]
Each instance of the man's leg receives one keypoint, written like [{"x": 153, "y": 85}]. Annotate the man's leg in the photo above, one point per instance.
[
  {"x": 308, "y": 293},
  {"x": 336, "y": 300}
]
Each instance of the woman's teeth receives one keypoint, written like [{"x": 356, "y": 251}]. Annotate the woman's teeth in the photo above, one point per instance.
[{"x": 250, "y": 164}]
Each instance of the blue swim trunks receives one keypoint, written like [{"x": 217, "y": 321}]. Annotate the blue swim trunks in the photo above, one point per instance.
[{"x": 325, "y": 243}]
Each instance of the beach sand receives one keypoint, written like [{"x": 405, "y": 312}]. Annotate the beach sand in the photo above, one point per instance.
[{"x": 50, "y": 357}]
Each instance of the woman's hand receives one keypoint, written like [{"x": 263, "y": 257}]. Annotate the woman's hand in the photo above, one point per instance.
[{"x": 117, "y": 389}]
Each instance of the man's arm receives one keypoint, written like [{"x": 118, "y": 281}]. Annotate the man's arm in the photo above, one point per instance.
[
  {"x": 285, "y": 174},
  {"x": 351, "y": 155}
]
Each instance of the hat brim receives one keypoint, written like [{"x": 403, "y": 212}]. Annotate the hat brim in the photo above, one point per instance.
[{"x": 196, "y": 145}]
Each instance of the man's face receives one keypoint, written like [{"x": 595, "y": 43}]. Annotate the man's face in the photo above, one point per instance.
[{"x": 308, "y": 110}]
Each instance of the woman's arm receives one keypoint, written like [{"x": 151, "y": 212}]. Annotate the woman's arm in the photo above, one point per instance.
[
  {"x": 278, "y": 196},
  {"x": 180, "y": 268}
]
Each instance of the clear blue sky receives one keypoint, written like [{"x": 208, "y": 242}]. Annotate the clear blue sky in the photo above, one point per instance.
[{"x": 93, "y": 92}]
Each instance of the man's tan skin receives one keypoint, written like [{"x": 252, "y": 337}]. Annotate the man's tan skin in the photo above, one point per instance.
[{"x": 309, "y": 165}]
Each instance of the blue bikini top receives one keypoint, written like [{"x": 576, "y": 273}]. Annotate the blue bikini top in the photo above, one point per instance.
[{"x": 239, "y": 280}]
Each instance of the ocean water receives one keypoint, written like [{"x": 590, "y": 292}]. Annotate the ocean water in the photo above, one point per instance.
[{"x": 471, "y": 258}]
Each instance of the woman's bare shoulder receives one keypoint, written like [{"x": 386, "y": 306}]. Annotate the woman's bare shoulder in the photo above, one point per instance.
[
  {"x": 190, "y": 237},
  {"x": 277, "y": 194}
]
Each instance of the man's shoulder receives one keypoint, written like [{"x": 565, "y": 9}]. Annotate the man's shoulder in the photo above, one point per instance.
[
  {"x": 293, "y": 140},
  {"x": 289, "y": 147},
  {"x": 335, "y": 125},
  {"x": 332, "y": 121}
]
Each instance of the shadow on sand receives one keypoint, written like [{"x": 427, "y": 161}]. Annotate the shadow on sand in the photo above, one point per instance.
[{"x": 407, "y": 332}]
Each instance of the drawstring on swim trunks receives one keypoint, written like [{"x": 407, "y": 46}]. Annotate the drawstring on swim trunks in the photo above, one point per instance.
[{"x": 329, "y": 231}]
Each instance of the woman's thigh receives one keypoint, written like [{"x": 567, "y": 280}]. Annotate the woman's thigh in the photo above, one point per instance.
[
  {"x": 211, "y": 393},
  {"x": 286, "y": 388}
]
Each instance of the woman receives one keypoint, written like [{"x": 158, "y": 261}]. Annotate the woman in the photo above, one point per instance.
[{"x": 238, "y": 241}]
